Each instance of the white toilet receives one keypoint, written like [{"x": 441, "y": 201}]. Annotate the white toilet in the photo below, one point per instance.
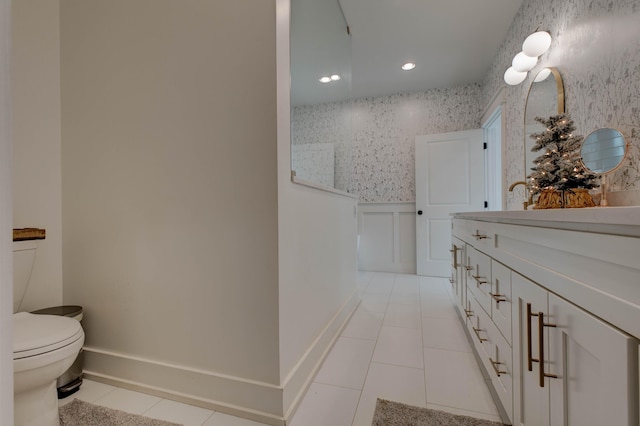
[{"x": 44, "y": 347}]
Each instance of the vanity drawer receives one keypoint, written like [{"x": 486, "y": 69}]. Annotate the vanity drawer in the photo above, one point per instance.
[
  {"x": 476, "y": 233},
  {"x": 479, "y": 277},
  {"x": 501, "y": 368},
  {"x": 501, "y": 298},
  {"x": 478, "y": 323}
]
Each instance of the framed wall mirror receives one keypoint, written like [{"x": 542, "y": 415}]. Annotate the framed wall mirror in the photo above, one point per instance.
[
  {"x": 320, "y": 93},
  {"x": 545, "y": 98}
]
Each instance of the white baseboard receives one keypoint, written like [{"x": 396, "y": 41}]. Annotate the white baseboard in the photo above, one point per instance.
[
  {"x": 258, "y": 401},
  {"x": 253, "y": 400},
  {"x": 301, "y": 376}
]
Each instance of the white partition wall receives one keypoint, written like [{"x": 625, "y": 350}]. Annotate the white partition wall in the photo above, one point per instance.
[{"x": 387, "y": 237}]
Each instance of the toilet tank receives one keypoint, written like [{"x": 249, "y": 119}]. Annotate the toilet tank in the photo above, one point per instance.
[{"x": 24, "y": 255}]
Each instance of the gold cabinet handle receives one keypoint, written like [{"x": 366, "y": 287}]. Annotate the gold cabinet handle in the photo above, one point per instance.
[
  {"x": 478, "y": 235},
  {"x": 530, "y": 359},
  {"x": 468, "y": 268},
  {"x": 498, "y": 297},
  {"x": 477, "y": 331},
  {"x": 480, "y": 280},
  {"x": 468, "y": 313},
  {"x": 495, "y": 365},
  {"x": 541, "y": 326},
  {"x": 454, "y": 251}
]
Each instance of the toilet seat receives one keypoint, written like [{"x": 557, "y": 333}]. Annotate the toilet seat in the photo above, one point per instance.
[{"x": 38, "y": 334}]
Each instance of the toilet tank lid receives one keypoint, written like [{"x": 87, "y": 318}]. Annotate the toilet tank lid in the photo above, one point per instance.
[
  {"x": 64, "y": 310},
  {"x": 32, "y": 332}
]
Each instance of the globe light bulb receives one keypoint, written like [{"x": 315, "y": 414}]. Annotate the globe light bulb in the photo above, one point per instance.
[
  {"x": 536, "y": 44},
  {"x": 513, "y": 77},
  {"x": 523, "y": 63}
]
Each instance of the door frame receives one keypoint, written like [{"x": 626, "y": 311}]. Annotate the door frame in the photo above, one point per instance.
[{"x": 495, "y": 175}]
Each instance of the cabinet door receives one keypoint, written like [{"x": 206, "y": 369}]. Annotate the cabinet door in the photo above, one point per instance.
[
  {"x": 479, "y": 277},
  {"x": 591, "y": 360},
  {"x": 501, "y": 298},
  {"x": 530, "y": 400},
  {"x": 461, "y": 281}
]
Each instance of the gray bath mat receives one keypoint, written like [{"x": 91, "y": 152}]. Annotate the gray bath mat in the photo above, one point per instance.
[
  {"x": 389, "y": 413},
  {"x": 80, "y": 413}
]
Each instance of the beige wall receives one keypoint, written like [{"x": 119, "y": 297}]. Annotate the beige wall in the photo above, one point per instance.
[
  {"x": 170, "y": 191},
  {"x": 6, "y": 279},
  {"x": 35, "y": 83}
]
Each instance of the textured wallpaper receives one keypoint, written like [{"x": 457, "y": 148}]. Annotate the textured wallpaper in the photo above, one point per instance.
[
  {"x": 383, "y": 131},
  {"x": 325, "y": 124},
  {"x": 596, "y": 48}
]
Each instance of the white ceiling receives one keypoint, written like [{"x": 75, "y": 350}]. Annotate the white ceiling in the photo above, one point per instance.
[{"x": 453, "y": 42}]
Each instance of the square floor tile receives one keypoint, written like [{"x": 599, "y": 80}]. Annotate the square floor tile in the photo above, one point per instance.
[
  {"x": 399, "y": 346},
  {"x": 401, "y": 315},
  {"x": 221, "y": 419},
  {"x": 444, "y": 333},
  {"x": 381, "y": 283},
  {"x": 176, "y": 412},
  {"x": 89, "y": 391},
  {"x": 438, "y": 307},
  {"x": 406, "y": 284},
  {"x": 400, "y": 384},
  {"x": 364, "y": 324},
  {"x": 434, "y": 285},
  {"x": 458, "y": 411},
  {"x": 405, "y": 299},
  {"x": 374, "y": 302},
  {"x": 454, "y": 379},
  {"x": 347, "y": 363},
  {"x": 128, "y": 401},
  {"x": 406, "y": 291},
  {"x": 325, "y": 405}
]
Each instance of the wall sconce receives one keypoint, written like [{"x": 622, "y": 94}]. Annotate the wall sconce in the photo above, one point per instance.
[{"x": 532, "y": 48}]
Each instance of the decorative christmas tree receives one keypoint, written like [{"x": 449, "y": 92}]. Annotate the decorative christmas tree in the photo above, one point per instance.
[{"x": 559, "y": 167}]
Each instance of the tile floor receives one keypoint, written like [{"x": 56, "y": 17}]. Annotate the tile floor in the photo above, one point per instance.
[{"x": 404, "y": 343}]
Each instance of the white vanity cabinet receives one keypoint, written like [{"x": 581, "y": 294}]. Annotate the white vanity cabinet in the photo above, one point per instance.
[
  {"x": 553, "y": 315},
  {"x": 581, "y": 370}
]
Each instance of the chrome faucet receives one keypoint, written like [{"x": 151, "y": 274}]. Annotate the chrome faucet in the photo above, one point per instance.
[{"x": 528, "y": 201}]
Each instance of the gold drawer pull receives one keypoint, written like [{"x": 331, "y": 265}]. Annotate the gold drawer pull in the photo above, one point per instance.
[
  {"x": 541, "y": 325},
  {"x": 468, "y": 268},
  {"x": 498, "y": 297},
  {"x": 530, "y": 359},
  {"x": 479, "y": 279},
  {"x": 468, "y": 313},
  {"x": 454, "y": 251},
  {"x": 477, "y": 331},
  {"x": 478, "y": 235},
  {"x": 495, "y": 364}
]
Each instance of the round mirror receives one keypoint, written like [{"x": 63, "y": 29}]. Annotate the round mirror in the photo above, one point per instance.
[
  {"x": 603, "y": 150},
  {"x": 545, "y": 98}
]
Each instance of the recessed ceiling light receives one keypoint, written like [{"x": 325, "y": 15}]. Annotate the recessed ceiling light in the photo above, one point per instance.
[
  {"x": 335, "y": 77},
  {"x": 408, "y": 66},
  {"x": 325, "y": 79}
]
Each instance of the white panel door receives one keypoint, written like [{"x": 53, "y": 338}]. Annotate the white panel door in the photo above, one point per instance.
[{"x": 449, "y": 178}]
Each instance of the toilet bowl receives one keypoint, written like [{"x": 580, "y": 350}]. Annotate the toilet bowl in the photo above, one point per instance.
[{"x": 44, "y": 347}]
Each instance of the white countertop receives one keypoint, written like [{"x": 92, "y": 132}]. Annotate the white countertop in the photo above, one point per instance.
[{"x": 606, "y": 220}]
